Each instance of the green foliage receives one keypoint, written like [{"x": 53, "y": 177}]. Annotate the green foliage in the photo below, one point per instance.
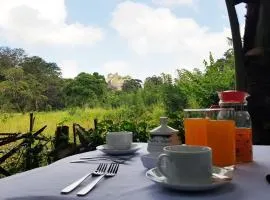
[
  {"x": 10, "y": 58},
  {"x": 153, "y": 89},
  {"x": 201, "y": 88},
  {"x": 30, "y": 152},
  {"x": 32, "y": 84},
  {"x": 15, "y": 89},
  {"x": 113, "y": 99},
  {"x": 131, "y": 85},
  {"x": 28, "y": 83},
  {"x": 85, "y": 90},
  {"x": 153, "y": 82},
  {"x": 174, "y": 99},
  {"x": 97, "y": 136}
]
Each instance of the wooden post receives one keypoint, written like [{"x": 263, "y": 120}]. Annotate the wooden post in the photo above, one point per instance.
[
  {"x": 61, "y": 136},
  {"x": 240, "y": 72},
  {"x": 32, "y": 120},
  {"x": 74, "y": 134},
  {"x": 257, "y": 49},
  {"x": 28, "y": 151},
  {"x": 95, "y": 123}
]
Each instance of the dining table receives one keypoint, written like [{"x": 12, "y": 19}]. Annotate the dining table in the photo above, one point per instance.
[{"x": 131, "y": 183}]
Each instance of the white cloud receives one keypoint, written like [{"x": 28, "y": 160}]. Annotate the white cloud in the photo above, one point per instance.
[
  {"x": 117, "y": 66},
  {"x": 43, "y": 22},
  {"x": 169, "y": 3},
  {"x": 240, "y": 9},
  {"x": 158, "y": 31},
  {"x": 69, "y": 68}
]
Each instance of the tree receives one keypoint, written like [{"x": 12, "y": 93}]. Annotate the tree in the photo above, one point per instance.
[
  {"x": 45, "y": 83},
  {"x": 10, "y": 58},
  {"x": 190, "y": 85},
  {"x": 85, "y": 89},
  {"x": 174, "y": 99},
  {"x": 40, "y": 68},
  {"x": 55, "y": 94},
  {"x": 41, "y": 81},
  {"x": 38, "y": 100},
  {"x": 166, "y": 79},
  {"x": 31, "y": 83},
  {"x": 201, "y": 87},
  {"x": 152, "y": 91},
  {"x": 152, "y": 82},
  {"x": 131, "y": 85},
  {"x": 113, "y": 99},
  {"x": 15, "y": 89}
]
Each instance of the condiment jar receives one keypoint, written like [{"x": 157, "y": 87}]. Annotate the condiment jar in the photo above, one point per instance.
[{"x": 162, "y": 136}]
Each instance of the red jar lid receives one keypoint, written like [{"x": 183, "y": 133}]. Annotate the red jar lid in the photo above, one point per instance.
[{"x": 232, "y": 96}]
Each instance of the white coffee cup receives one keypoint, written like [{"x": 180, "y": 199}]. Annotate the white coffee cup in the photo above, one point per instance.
[
  {"x": 186, "y": 164},
  {"x": 119, "y": 140}
]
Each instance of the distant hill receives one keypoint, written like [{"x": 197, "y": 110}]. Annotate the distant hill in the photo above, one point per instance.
[{"x": 115, "y": 81}]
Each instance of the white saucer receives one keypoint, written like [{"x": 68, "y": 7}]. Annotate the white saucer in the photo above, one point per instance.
[
  {"x": 155, "y": 176},
  {"x": 104, "y": 148}
]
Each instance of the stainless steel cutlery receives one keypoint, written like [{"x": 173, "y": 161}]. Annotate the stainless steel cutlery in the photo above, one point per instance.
[
  {"x": 119, "y": 161},
  {"x": 99, "y": 171},
  {"x": 116, "y": 159},
  {"x": 112, "y": 171}
]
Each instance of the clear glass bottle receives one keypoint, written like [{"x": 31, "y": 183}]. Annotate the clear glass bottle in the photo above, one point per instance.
[{"x": 237, "y": 101}]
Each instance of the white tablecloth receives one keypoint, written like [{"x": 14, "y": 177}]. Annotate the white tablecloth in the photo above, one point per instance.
[{"x": 130, "y": 183}]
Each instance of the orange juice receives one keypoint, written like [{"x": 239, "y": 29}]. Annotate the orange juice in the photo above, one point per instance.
[
  {"x": 244, "y": 145},
  {"x": 221, "y": 138},
  {"x": 195, "y": 131}
]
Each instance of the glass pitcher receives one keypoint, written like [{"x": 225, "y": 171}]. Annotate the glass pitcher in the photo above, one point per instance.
[{"x": 237, "y": 101}]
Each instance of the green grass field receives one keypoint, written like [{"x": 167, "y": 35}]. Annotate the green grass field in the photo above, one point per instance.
[
  {"x": 20, "y": 122},
  {"x": 15, "y": 122}
]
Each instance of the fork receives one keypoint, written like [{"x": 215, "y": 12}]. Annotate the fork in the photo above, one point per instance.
[
  {"x": 99, "y": 171},
  {"x": 110, "y": 173}
]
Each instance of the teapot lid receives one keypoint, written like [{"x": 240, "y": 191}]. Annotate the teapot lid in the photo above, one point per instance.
[{"x": 163, "y": 129}]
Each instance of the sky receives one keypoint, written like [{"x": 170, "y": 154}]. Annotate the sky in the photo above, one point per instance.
[{"x": 140, "y": 38}]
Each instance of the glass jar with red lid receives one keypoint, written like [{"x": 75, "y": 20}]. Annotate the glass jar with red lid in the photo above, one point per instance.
[{"x": 237, "y": 100}]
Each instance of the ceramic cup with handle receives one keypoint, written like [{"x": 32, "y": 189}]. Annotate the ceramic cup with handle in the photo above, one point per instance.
[
  {"x": 186, "y": 164},
  {"x": 119, "y": 140}
]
